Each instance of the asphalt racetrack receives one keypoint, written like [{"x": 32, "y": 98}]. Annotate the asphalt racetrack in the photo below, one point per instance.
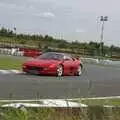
[{"x": 96, "y": 81}]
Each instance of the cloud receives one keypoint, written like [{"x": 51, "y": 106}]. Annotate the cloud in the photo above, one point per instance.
[
  {"x": 12, "y": 6},
  {"x": 26, "y": 10},
  {"x": 80, "y": 31},
  {"x": 8, "y": 5},
  {"x": 45, "y": 14}
]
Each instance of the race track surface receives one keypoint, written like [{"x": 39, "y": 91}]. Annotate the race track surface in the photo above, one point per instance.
[{"x": 96, "y": 81}]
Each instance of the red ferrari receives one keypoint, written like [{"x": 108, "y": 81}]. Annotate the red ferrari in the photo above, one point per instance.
[{"x": 52, "y": 63}]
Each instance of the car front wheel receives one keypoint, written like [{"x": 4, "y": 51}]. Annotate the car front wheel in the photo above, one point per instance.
[
  {"x": 79, "y": 70},
  {"x": 60, "y": 71}
]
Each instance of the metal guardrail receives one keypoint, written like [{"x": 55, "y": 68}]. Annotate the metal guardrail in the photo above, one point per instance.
[{"x": 102, "y": 62}]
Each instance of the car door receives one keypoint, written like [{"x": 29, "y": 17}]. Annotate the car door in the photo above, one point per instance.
[{"x": 68, "y": 65}]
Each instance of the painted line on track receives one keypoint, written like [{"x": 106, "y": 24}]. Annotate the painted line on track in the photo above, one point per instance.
[
  {"x": 98, "y": 98},
  {"x": 35, "y": 100},
  {"x": 4, "y": 72},
  {"x": 53, "y": 102},
  {"x": 46, "y": 103}
]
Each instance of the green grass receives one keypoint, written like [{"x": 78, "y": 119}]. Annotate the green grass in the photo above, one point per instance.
[
  {"x": 91, "y": 113},
  {"x": 10, "y": 62},
  {"x": 115, "y": 102}
]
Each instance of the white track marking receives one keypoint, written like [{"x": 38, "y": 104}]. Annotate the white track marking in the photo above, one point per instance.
[
  {"x": 97, "y": 98},
  {"x": 53, "y": 102},
  {"x": 10, "y": 72},
  {"x": 16, "y": 71},
  {"x": 35, "y": 100},
  {"x": 4, "y": 71},
  {"x": 47, "y": 103}
]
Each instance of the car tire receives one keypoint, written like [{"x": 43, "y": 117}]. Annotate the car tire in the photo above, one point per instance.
[
  {"x": 60, "y": 71},
  {"x": 79, "y": 70}
]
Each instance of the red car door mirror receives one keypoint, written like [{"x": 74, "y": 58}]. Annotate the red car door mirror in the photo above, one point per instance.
[
  {"x": 73, "y": 59},
  {"x": 66, "y": 59}
]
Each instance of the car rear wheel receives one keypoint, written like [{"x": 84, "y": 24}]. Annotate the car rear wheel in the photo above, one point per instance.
[
  {"x": 60, "y": 71},
  {"x": 79, "y": 70}
]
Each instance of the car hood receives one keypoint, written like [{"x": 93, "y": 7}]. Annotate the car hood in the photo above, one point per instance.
[{"x": 42, "y": 63}]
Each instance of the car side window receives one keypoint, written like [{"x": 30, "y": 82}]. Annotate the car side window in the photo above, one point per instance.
[{"x": 67, "y": 58}]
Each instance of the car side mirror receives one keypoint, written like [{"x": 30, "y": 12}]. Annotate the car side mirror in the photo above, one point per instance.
[
  {"x": 73, "y": 59},
  {"x": 66, "y": 59},
  {"x": 77, "y": 58}
]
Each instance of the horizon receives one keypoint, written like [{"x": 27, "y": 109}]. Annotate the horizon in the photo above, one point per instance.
[
  {"x": 71, "y": 20},
  {"x": 57, "y": 38}
]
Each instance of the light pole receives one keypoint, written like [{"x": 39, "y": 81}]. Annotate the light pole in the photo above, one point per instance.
[
  {"x": 103, "y": 19},
  {"x": 14, "y": 29}
]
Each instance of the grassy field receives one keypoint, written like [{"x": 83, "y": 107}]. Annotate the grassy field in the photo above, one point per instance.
[
  {"x": 11, "y": 62},
  {"x": 90, "y": 113}
]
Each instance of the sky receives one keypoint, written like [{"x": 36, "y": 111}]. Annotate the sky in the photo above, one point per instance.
[{"x": 68, "y": 19}]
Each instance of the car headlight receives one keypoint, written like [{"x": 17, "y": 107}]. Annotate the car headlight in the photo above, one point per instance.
[{"x": 24, "y": 66}]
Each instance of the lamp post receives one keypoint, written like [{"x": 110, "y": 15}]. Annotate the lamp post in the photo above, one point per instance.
[
  {"x": 103, "y": 19},
  {"x": 15, "y": 36}
]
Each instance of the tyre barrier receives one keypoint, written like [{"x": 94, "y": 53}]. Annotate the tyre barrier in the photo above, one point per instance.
[
  {"x": 14, "y": 52},
  {"x": 20, "y": 52}
]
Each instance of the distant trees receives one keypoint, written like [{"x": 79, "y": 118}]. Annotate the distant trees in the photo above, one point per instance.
[
  {"x": 6, "y": 32},
  {"x": 44, "y": 42}
]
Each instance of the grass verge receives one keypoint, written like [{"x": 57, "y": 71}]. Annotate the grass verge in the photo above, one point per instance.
[
  {"x": 93, "y": 112},
  {"x": 100, "y": 102},
  {"x": 90, "y": 113},
  {"x": 11, "y": 62}
]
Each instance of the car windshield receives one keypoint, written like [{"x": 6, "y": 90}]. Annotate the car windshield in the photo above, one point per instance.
[{"x": 51, "y": 56}]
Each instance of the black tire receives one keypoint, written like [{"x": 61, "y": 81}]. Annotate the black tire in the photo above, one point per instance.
[{"x": 79, "y": 70}]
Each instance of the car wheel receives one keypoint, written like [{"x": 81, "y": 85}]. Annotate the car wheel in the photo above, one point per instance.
[
  {"x": 60, "y": 71},
  {"x": 79, "y": 70}
]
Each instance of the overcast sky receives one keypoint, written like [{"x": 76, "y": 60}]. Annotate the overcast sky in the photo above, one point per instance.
[{"x": 71, "y": 19}]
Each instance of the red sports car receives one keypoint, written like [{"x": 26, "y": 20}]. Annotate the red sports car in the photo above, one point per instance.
[{"x": 52, "y": 63}]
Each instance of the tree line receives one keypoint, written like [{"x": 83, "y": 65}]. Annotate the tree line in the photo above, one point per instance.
[{"x": 46, "y": 41}]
